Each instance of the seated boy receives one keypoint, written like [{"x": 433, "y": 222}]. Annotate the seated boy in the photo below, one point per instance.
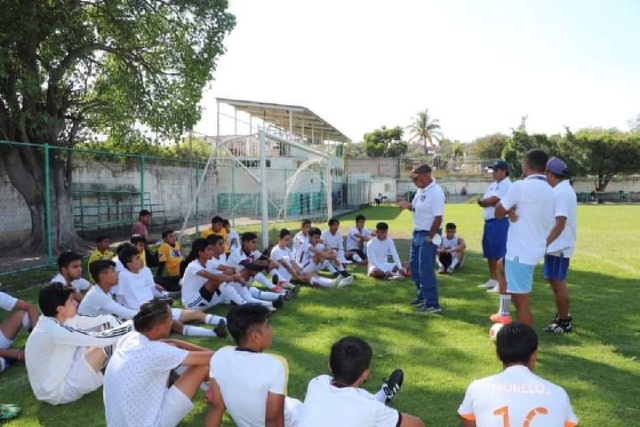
[
  {"x": 65, "y": 352},
  {"x": 332, "y": 239},
  {"x": 301, "y": 236},
  {"x": 312, "y": 258},
  {"x": 379, "y": 249},
  {"x": 283, "y": 256},
  {"x": 357, "y": 240},
  {"x": 70, "y": 273},
  {"x": 232, "y": 236},
  {"x": 451, "y": 250},
  {"x": 339, "y": 401},
  {"x": 23, "y": 315},
  {"x": 217, "y": 228},
  {"x": 250, "y": 384},
  {"x": 99, "y": 299},
  {"x": 169, "y": 257},
  {"x": 101, "y": 251}
]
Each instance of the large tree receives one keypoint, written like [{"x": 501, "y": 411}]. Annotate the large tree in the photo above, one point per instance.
[
  {"x": 72, "y": 66},
  {"x": 385, "y": 142},
  {"x": 425, "y": 131},
  {"x": 489, "y": 147}
]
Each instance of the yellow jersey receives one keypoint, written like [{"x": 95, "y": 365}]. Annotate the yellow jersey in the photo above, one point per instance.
[{"x": 172, "y": 257}]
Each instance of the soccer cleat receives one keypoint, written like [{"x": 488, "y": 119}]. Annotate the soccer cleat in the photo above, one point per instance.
[
  {"x": 489, "y": 284},
  {"x": 344, "y": 273},
  {"x": 425, "y": 309},
  {"x": 221, "y": 329},
  {"x": 279, "y": 302},
  {"x": 392, "y": 385},
  {"x": 345, "y": 281},
  {"x": 498, "y": 318},
  {"x": 417, "y": 302},
  {"x": 9, "y": 411},
  {"x": 558, "y": 326},
  {"x": 294, "y": 292},
  {"x": 494, "y": 290}
]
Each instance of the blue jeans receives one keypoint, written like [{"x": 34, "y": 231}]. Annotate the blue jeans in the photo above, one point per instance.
[{"x": 421, "y": 260}]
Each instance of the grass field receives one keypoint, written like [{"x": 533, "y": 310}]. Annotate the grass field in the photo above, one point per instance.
[{"x": 598, "y": 364}]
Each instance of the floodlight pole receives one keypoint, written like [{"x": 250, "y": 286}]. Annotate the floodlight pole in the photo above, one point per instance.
[{"x": 264, "y": 195}]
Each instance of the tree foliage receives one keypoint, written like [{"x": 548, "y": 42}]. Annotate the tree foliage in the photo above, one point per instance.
[
  {"x": 489, "y": 147},
  {"x": 107, "y": 66},
  {"x": 425, "y": 131},
  {"x": 385, "y": 142}
]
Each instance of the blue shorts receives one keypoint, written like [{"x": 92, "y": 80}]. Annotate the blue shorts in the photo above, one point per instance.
[
  {"x": 494, "y": 238},
  {"x": 555, "y": 267},
  {"x": 519, "y": 277}
]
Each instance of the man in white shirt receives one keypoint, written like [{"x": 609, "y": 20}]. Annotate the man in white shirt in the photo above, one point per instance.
[
  {"x": 428, "y": 208},
  {"x": 494, "y": 236},
  {"x": 99, "y": 299},
  {"x": 516, "y": 396},
  {"x": 248, "y": 383},
  {"x": 451, "y": 250},
  {"x": 332, "y": 239},
  {"x": 136, "y": 390},
  {"x": 339, "y": 401},
  {"x": 70, "y": 272},
  {"x": 379, "y": 249},
  {"x": 282, "y": 255},
  {"x": 65, "y": 351},
  {"x": 357, "y": 241},
  {"x": 530, "y": 207},
  {"x": 301, "y": 236},
  {"x": 23, "y": 315},
  {"x": 560, "y": 243}
]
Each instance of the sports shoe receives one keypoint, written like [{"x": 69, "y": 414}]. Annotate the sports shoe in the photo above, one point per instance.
[
  {"x": 559, "y": 328},
  {"x": 9, "y": 411},
  {"x": 287, "y": 285},
  {"x": 489, "y": 284},
  {"x": 279, "y": 302},
  {"x": 425, "y": 309},
  {"x": 392, "y": 385},
  {"x": 494, "y": 290},
  {"x": 345, "y": 281},
  {"x": 344, "y": 273},
  {"x": 449, "y": 270},
  {"x": 417, "y": 302},
  {"x": 221, "y": 329},
  {"x": 498, "y": 318},
  {"x": 441, "y": 270}
]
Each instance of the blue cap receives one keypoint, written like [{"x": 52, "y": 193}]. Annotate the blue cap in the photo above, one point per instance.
[
  {"x": 500, "y": 164},
  {"x": 558, "y": 167}
]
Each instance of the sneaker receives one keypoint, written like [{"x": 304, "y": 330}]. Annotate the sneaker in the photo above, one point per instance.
[
  {"x": 279, "y": 302},
  {"x": 417, "y": 302},
  {"x": 489, "y": 284},
  {"x": 221, "y": 329},
  {"x": 559, "y": 327},
  {"x": 449, "y": 270},
  {"x": 287, "y": 285},
  {"x": 441, "y": 270},
  {"x": 344, "y": 273},
  {"x": 392, "y": 385},
  {"x": 277, "y": 290},
  {"x": 271, "y": 308},
  {"x": 9, "y": 411},
  {"x": 494, "y": 290},
  {"x": 498, "y": 318},
  {"x": 293, "y": 292},
  {"x": 345, "y": 281},
  {"x": 425, "y": 309}
]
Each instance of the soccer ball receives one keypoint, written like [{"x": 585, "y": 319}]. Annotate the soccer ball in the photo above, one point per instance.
[{"x": 493, "y": 332}]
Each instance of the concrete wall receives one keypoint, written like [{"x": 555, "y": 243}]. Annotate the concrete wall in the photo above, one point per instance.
[{"x": 377, "y": 166}]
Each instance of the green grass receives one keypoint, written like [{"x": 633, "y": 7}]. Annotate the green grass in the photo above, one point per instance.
[{"x": 597, "y": 365}]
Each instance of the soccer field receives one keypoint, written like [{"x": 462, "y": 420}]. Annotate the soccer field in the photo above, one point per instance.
[{"x": 598, "y": 364}]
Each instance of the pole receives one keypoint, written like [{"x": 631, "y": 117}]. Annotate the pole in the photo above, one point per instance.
[
  {"x": 197, "y": 196},
  {"x": 264, "y": 196},
  {"x": 47, "y": 203},
  {"x": 142, "y": 162},
  {"x": 329, "y": 187}
]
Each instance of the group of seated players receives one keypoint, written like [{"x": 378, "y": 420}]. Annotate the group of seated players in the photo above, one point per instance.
[{"x": 124, "y": 320}]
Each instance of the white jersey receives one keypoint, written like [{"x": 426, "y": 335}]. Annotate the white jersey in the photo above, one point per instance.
[
  {"x": 353, "y": 242},
  {"x": 450, "y": 243},
  {"x": 566, "y": 205},
  {"x": 245, "y": 378},
  {"x": 238, "y": 256},
  {"x": 305, "y": 255},
  {"x": 97, "y": 302},
  {"x": 79, "y": 285},
  {"x": 7, "y": 302},
  {"x": 135, "y": 289},
  {"x": 499, "y": 190},
  {"x": 285, "y": 255},
  {"x": 427, "y": 204},
  {"x": 192, "y": 282},
  {"x": 51, "y": 349},
  {"x": 527, "y": 237},
  {"x": 522, "y": 397},
  {"x": 327, "y": 405},
  {"x": 231, "y": 236},
  {"x": 379, "y": 251},
  {"x": 333, "y": 241},
  {"x": 298, "y": 240},
  {"x": 135, "y": 381}
]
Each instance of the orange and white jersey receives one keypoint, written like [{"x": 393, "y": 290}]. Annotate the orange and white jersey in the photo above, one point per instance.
[{"x": 517, "y": 398}]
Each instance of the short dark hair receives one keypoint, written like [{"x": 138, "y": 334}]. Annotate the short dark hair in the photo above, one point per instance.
[
  {"x": 382, "y": 226},
  {"x": 150, "y": 314},
  {"x": 450, "y": 226},
  {"x": 242, "y": 318},
  {"x": 248, "y": 236},
  {"x": 305, "y": 222},
  {"x": 97, "y": 267},
  {"x": 122, "y": 246},
  {"x": 52, "y": 296},
  {"x": 315, "y": 231},
  {"x": 101, "y": 238},
  {"x": 166, "y": 233},
  {"x": 360, "y": 218},
  {"x": 213, "y": 239},
  {"x": 137, "y": 238},
  {"x": 144, "y": 212},
  {"x": 126, "y": 255},
  {"x": 516, "y": 343},
  {"x": 420, "y": 169},
  {"x": 226, "y": 222},
  {"x": 537, "y": 160},
  {"x": 333, "y": 221},
  {"x": 350, "y": 357},
  {"x": 217, "y": 218},
  {"x": 67, "y": 258},
  {"x": 284, "y": 233}
]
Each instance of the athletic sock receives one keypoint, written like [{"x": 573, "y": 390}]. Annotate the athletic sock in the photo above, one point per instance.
[
  {"x": 197, "y": 331},
  {"x": 212, "y": 319},
  {"x": 454, "y": 263},
  {"x": 262, "y": 279},
  {"x": 323, "y": 281},
  {"x": 356, "y": 258},
  {"x": 381, "y": 396},
  {"x": 505, "y": 302},
  {"x": 267, "y": 296}
]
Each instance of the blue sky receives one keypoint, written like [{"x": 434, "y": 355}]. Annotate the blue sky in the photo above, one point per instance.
[{"x": 477, "y": 65}]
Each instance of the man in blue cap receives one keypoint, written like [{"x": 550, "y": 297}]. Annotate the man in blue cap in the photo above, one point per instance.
[{"x": 494, "y": 236}]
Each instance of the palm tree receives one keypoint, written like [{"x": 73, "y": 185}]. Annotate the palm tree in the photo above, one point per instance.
[{"x": 425, "y": 130}]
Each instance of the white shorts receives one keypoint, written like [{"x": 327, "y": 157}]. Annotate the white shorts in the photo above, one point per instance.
[
  {"x": 5, "y": 342},
  {"x": 175, "y": 313},
  {"x": 387, "y": 267},
  {"x": 81, "y": 379},
  {"x": 292, "y": 410},
  {"x": 311, "y": 267},
  {"x": 175, "y": 406}
]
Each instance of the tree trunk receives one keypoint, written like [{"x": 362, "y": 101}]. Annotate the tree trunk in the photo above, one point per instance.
[
  {"x": 25, "y": 168},
  {"x": 601, "y": 183}
]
